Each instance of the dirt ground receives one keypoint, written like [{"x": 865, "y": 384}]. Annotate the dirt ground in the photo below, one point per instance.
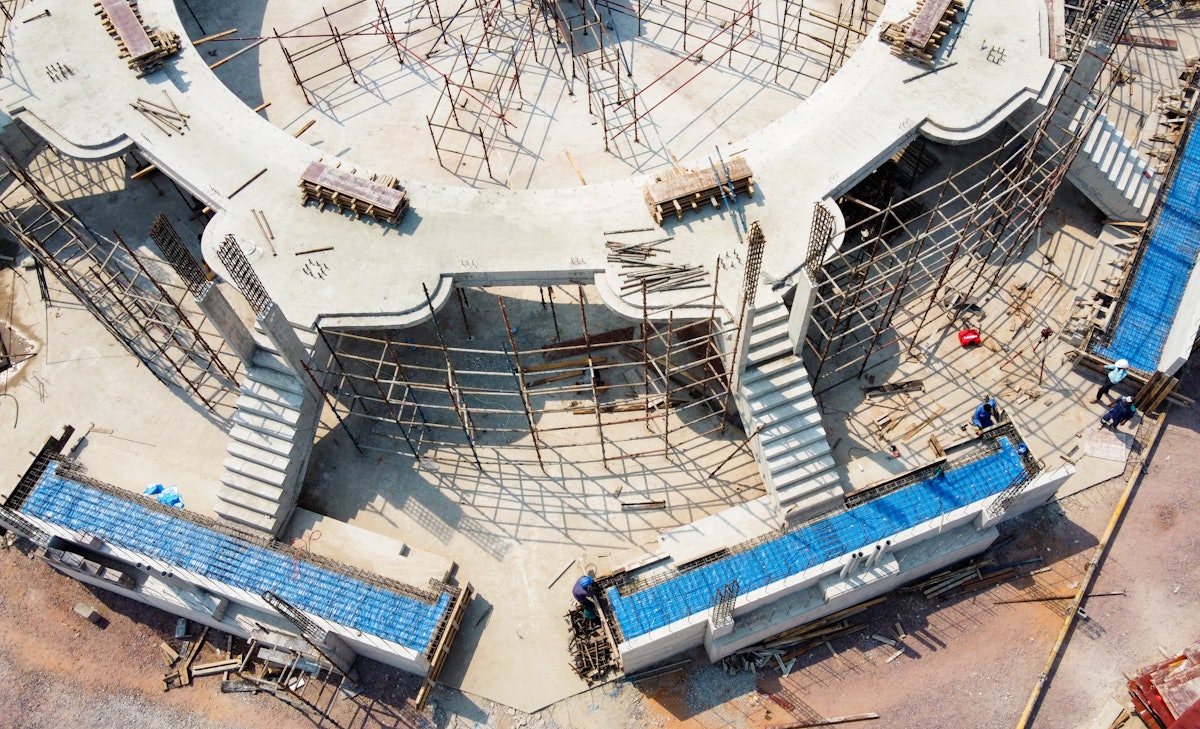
[{"x": 965, "y": 659}]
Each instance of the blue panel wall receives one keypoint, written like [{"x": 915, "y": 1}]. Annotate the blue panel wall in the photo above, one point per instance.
[
  {"x": 1167, "y": 263},
  {"x": 691, "y": 592},
  {"x": 235, "y": 562}
]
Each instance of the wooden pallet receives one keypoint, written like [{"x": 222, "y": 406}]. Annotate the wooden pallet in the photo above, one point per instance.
[
  {"x": 378, "y": 197},
  {"x": 674, "y": 193},
  {"x": 145, "y": 49},
  {"x": 919, "y": 37},
  {"x": 438, "y": 657}
]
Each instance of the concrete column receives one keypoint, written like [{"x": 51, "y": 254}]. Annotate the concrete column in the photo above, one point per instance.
[
  {"x": 216, "y": 307},
  {"x": 338, "y": 651},
  {"x": 283, "y": 337}
]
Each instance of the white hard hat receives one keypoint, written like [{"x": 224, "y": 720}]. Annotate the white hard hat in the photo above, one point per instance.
[{"x": 1121, "y": 364}]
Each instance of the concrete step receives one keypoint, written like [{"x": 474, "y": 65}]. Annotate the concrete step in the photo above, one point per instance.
[
  {"x": 274, "y": 411},
  {"x": 806, "y": 498},
  {"x": 778, "y": 438},
  {"x": 257, "y": 455},
  {"x": 252, "y": 486},
  {"x": 756, "y": 372},
  {"x": 768, "y": 333},
  {"x": 793, "y": 394},
  {"x": 275, "y": 379},
  {"x": 803, "y": 472},
  {"x": 270, "y": 475},
  {"x": 267, "y": 507},
  {"x": 800, "y": 447},
  {"x": 250, "y": 521},
  {"x": 278, "y": 446},
  {"x": 1094, "y": 136},
  {"x": 770, "y": 351},
  {"x": 271, "y": 361},
  {"x": 828, "y": 481},
  {"x": 263, "y": 425},
  {"x": 781, "y": 421},
  {"x": 770, "y": 314},
  {"x": 264, "y": 391},
  {"x": 755, "y": 384}
]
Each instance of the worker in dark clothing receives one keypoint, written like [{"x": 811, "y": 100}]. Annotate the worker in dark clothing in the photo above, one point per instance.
[
  {"x": 1119, "y": 413},
  {"x": 985, "y": 414},
  {"x": 584, "y": 592}
]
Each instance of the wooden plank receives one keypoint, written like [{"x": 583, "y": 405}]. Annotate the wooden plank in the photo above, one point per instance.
[
  {"x": 570, "y": 347},
  {"x": 1146, "y": 41},
  {"x": 926, "y": 22},
  {"x": 130, "y": 30},
  {"x": 823, "y": 722},
  {"x": 921, "y": 425},
  {"x": 894, "y": 388},
  {"x": 356, "y": 187}
]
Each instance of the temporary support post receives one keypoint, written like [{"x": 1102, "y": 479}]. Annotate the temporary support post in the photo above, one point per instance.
[
  {"x": 520, "y": 376},
  {"x": 292, "y": 66},
  {"x": 646, "y": 345},
  {"x": 587, "y": 343},
  {"x": 667, "y": 384},
  {"x": 553, "y": 315},
  {"x": 462, "y": 309},
  {"x": 410, "y": 393},
  {"x": 452, "y": 387}
]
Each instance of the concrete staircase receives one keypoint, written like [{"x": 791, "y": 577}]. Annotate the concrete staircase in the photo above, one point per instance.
[
  {"x": 271, "y": 435},
  {"x": 774, "y": 392},
  {"x": 1113, "y": 174}
]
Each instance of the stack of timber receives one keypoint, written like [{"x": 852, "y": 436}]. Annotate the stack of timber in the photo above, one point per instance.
[
  {"x": 946, "y": 580},
  {"x": 378, "y": 197},
  {"x": 1167, "y": 694},
  {"x": 788, "y": 645},
  {"x": 919, "y": 37},
  {"x": 674, "y": 192},
  {"x": 637, "y": 270},
  {"x": 146, "y": 50},
  {"x": 593, "y": 654}
]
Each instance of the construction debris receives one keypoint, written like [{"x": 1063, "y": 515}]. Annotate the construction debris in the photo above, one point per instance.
[
  {"x": 1167, "y": 694},
  {"x": 593, "y": 657}
]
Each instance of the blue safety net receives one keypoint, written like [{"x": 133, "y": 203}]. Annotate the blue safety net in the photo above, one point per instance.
[
  {"x": 692, "y": 592},
  {"x": 236, "y": 562},
  {"x": 1157, "y": 288}
]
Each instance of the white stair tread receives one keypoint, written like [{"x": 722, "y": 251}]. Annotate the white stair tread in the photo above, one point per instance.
[
  {"x": 803, "y": 471},
  {"x": 257, "y": 455},
  {"x": 264, "y": 425},
  {"x": 257, "y": 523},
  {"x": 255, "y": 470},
  {"x": 271, "y": 361},
  {"x": 263, "y": 391},
  {"x": 762, "y": 335},
  {"x": 258, "y": 439},
  {"x": 792, "y": 394},
  {"x": 253, "y": 502},
  {"x": 278, "y": 380},
  {"x": 756, "y": 383},
  {"x": 775, "y": 349},
  {"x": 251, "y": 485},
  {"x": 274, "y": 411},
  {"x": 783, "y": 420},
  {"x": 806, "y": 499}
]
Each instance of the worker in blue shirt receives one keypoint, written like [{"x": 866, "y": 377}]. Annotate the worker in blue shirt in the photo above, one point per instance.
[
  {"x": 1120, "y": 412},
  {"x": 1116, "y": 372},
  {"x": 584, "y": 592},
  {"x": 985, "y": 414}
]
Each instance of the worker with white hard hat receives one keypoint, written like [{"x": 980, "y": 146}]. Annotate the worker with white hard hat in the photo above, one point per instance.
[{"x": 1116, "y": 372}]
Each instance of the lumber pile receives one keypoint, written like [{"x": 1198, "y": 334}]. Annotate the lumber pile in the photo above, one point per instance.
[
  {"x": 674, "y": 192},
  {"x": 592, "y": 656},
  {"x": 783, "y": 648},
  {"x": 1167, "y": 694},
  {"x": 919, "y": 37},
  {"x": 145, "y": 49},
  {"x": 637, "y": 270},
  {"x": 379, "y": 197}
]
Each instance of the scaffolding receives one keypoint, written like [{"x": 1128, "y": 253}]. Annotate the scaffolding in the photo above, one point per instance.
[
  {"x": 129, "y": 291},
  {"x": 422, "y": 394},
  {"x": 498, "y": 70},
  {"x": 906, "y": 258}
]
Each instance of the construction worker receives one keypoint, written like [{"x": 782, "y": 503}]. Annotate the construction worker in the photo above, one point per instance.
[
  {"x": 1117, "y": 371},
  {"x": 985, "y": 414},
  {"x": 1120, "y": 412},
  {"x": 584, "y": 592}
]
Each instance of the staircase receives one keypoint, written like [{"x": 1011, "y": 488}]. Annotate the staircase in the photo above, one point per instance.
[
  {"x": 774, "y": 393},
  {"x": 270, "y": 438},
  {"x": 1113, "y": 174}
]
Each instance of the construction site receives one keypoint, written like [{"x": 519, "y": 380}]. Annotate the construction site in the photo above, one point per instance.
[{"x": 358, "y": 335}]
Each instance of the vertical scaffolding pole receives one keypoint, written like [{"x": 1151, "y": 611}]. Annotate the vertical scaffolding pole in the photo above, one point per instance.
[
  {"x": 520, "y": 376},
  {"x": 452, "y": 386},
  {"x": 587, "y": 342},
  {"x": 667, "y": 384},
  {"x": 403, "y": 375}
]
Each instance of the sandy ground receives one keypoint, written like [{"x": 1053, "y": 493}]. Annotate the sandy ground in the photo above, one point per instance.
[{"x": 966, "y": 659}]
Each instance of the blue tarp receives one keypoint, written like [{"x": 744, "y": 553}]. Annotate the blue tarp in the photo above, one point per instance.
[{"x": 235, "y": 562}]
